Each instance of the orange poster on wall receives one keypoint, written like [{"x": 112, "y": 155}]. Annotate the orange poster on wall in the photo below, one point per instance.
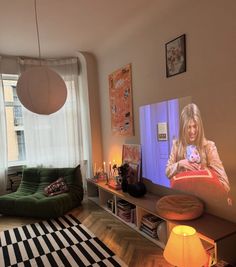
[{"x": 120, "y": 90}]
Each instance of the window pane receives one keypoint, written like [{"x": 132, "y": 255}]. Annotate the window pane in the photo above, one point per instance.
[
  {"x": 8, "y": 89},
  {"x": 21, "y": 144},
  {"x": 14, "y": 120}
]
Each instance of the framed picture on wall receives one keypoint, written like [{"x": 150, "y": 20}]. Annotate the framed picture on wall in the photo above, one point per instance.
[
  {"x": 131, "y": 154},
  {"x": 176, "y": 56},
  {"x": 121, "y": 103}
]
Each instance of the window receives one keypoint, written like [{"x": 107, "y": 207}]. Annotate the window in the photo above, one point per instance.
[
  {"x": 14, "y": 121},
  {"x": 59, "y": 140}
]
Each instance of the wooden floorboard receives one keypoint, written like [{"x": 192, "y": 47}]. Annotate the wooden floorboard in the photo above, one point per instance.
[{"x": 134, "y": 249}]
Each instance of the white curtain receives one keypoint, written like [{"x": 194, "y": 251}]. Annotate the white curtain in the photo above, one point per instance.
[
  {"x": 3, "y": 141},
  {"x": 58, "y": 140}
]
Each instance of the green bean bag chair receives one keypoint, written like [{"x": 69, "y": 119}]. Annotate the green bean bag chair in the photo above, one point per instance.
[{"x": 31, "y": 200}]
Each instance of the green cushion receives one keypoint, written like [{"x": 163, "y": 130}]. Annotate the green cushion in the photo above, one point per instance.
[{"x": 30, "y": 200}]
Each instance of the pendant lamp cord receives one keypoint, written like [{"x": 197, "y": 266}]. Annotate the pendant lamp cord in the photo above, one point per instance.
[{"x": 37, "y": 28}]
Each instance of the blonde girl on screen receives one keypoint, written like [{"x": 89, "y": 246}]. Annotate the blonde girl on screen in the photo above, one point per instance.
[{"x": 191, "y": 132}]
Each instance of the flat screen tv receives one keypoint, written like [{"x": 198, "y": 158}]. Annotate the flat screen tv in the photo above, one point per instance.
[{"x": 189, "y": 164}]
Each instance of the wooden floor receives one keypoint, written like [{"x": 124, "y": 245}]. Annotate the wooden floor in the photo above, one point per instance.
[{"x": 129, "y": 245}]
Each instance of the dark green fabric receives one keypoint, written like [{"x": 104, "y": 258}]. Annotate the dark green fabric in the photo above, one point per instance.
[{"x": 30, "y": 200}]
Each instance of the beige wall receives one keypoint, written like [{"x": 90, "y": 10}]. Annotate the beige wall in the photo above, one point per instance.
[
  {"x": 89, "y": 73},
  {"x": 210, "y": 28}
]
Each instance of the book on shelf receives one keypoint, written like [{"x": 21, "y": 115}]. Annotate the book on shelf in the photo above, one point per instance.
[
  {"x": 126, "y": 211},
  {"x": 211, "y": 259},
  {"x": 124, "y": 205},
  {"x": 110, "y": 205},
  {"x": 123, "y": 212},
  {"x": 151, "y": 221},
  {"x": 133, "y": 216},
  {"x": 123, "y": 202},
  {"x": 146, "y": 230},
  {"x": 151, "y": 218},
  {"x": 210, "y": 250},
  {"x": 222, "y": 263},
  {"x": 125, "y": 217},
  {"x": 151, "y": 225}
]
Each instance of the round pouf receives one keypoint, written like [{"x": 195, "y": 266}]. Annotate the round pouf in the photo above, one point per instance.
[{"x": 179, "y": 207}]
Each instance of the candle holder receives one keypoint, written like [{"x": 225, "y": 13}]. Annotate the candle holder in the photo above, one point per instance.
[
  {"x": 106, "y": 178},
  {"x": 114, "y": 171}
]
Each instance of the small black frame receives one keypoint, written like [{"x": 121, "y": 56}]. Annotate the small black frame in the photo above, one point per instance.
[{"x": 176, "y": 56}]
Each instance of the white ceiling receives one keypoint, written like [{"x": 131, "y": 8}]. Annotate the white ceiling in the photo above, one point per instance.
[{"x": 67, "y": 26}]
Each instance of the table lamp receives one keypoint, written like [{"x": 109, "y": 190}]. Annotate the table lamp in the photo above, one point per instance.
[{"x": 184, "y": 248}]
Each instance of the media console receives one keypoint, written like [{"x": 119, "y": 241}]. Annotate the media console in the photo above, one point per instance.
[{"x": 218, "y": 235}]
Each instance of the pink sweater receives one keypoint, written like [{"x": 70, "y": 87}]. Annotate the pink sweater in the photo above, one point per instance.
[{"x": 209, "y": 159}]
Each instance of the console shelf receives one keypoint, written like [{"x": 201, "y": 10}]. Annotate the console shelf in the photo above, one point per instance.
[{"x": 218, "y": 235}]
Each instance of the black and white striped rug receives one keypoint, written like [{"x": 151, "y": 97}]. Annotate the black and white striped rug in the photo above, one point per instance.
[{"x": 59, "y": 242}]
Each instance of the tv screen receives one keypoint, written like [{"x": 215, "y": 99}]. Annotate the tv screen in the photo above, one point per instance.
[{"x": 176, "y": 154}]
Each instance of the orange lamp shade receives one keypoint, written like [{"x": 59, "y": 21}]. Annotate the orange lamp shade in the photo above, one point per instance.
[
  {"x": 41, "y": 90},
  {"x": 184, "y": 248}
]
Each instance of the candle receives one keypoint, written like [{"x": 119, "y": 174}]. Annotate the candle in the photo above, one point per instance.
[
  {"x": 104, "y": 166},
  {"x": 109, "y": 166},
  {"x": 110, "y": 170},
  {"x": 95, "y": 168}
]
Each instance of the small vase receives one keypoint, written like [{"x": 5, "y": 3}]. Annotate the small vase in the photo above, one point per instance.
[{"x": 124, "y": 184}]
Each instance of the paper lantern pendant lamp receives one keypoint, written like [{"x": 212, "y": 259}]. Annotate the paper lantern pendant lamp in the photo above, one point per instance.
[{"x": 41, "y": 90}]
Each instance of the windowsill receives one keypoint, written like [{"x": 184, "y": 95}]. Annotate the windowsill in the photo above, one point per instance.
[{"x": 16, "y": 164}]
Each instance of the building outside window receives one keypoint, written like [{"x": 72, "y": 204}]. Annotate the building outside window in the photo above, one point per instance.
[{"x": 14, "y": 121}]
